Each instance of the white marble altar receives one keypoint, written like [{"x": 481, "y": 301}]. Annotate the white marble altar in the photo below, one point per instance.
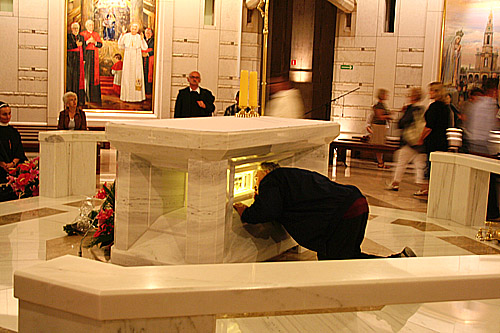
[
  {"x": 68, "y": 162},
  {"x": 458, "y": 187},
  {"x": 72, "y": 294},
  {"x": 175, "y": 184}
]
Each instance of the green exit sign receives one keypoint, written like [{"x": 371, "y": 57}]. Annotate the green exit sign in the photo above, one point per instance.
[{"x": 350, "y": 67}]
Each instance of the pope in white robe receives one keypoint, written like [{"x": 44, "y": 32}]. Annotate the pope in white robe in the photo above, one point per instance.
[{"x": 132, "y": 83}]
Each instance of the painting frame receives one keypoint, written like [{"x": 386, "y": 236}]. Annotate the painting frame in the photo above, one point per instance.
[
  {"x": 113, "y": 19},
  {"x": 469, "y": 53}
]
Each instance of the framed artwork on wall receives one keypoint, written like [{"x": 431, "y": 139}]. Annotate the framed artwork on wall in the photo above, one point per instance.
[
  {"x": 469, "y": 52},
  {"x": 110, "y": 54}
]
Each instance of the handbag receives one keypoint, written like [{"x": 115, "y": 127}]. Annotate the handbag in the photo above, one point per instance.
[{"x": 412, "y": 133}]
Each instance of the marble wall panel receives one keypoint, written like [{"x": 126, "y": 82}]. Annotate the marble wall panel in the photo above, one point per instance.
[
  {"x": 229, "y": 36},
  {"x": 12, "y": 99},
  {"x": 14, "y": 112},
  {"x": 365, "y": 41},
  {"x": 31, "y": 23},
  {"x": 185, "y": 48},
  {"x": 385, "y": 64},
  {"x": 33, "y": 39},
  {"x": 32, "y": 114},
  {"x": 33, "y": 9},
  {"x": 226, "y": 94},
  {"x": 9, "y": 53},
  {"x": 412, "y": 16},
  {"x": 432, "y": 46},
  {"x": 208, "y": 64},
  {"x": 206, "y": 211},
  {"x": 246, "y": 37},
  {"x": 230, "y": 67},
  {"x": 355, "y": 99},
  {"x": 188, "y": 14},
  {"x": 359, "y": 74},
  {"x": 33, "y": 58},
  {"x": 355, "y": 55},
  {"x": 411, "y": 42},
  {"x": 366, "y": 18},
  {"x": 189, "y": 33},
  {"x": 40, "y": 100},
  {"x": 230, "y": 15},
  {"x": 248, "y": 65},
  {"x": 32, "y": 86},
  {"x": 229, "y": 50},
  {"x": 410, "y": 57},
  {"x": 408, "y": 75},
  {"x": 184, "y": 65},
  {"x": 249, "y": 51},
  {"x": 342, "y": 41},
  {"x": 353, "y": 112}
]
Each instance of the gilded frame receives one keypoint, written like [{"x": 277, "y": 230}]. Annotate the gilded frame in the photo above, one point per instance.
[
  {"x": 120, "y": 14},
  {"x": 468, "y": 55}
]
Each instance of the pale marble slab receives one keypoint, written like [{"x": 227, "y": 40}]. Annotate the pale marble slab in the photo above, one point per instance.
[
  {"x": 170, "y": 164},
  {"x": 68, "y": 162},
  {"x": 103, "y": 292},
  {"x": 458, "y": 187}
]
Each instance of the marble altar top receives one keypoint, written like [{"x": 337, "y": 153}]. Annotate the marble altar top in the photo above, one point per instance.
[
  {"x": 66, "y": 135},
  {"x": 468, "y": 160},
  {"x": 222, "y": 132},
  {"x": 108, "y": 292}
]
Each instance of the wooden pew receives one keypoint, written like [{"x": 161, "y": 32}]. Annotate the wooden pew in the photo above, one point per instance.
[{"x": 357, "y": 143}]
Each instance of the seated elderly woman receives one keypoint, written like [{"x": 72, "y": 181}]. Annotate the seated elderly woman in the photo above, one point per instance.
[
  {"x": 72, "y": 117},
  {"x": 11, "y": 151}
]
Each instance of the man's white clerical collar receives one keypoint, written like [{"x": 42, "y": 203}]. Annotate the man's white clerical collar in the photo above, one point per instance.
[
  {"x": 4, "y": 124},
  {"x": 197, "y": 90}
]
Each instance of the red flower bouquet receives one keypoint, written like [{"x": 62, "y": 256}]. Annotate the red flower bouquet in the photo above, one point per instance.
[
  {"x": 104, "y": 221},
  {"x": 24, "y": 179}
]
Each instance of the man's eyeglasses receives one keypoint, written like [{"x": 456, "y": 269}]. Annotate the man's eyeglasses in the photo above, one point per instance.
[{"x": 193, "y": 77}]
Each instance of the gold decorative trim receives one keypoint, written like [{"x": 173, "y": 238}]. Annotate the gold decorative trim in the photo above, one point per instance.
[
  {"x": 185, "y": 40},
  {"x": 355, "y": 48},
  {"x": 411, "y": 49},
  {"x": 32, "y": 78},
  {"x": 410, "y": 65},
  {"x": 33, "y": 69},
  {"x": 29, "y": 106},
  {"x": 33, "y": 31},
  {"x": 21, "y": 93},
  {"x": 33, "y": 47},
  {"x": 229, "y": 43},
  {"x": 184, "y": 55}
]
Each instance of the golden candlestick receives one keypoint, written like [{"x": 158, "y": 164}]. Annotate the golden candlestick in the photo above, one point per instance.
[{"x": 265, "y": 32}]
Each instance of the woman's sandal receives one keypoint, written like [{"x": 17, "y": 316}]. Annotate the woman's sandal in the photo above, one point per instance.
[{"x": 421, "y": 193}]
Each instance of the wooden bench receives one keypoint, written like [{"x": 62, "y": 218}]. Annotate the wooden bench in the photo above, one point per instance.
[
  {"x": 356, "y": 143},
  {"x": 29, "y": 135}
]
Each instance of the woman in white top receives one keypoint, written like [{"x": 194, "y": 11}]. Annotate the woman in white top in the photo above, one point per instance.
[{"x": 72, "y": 117}]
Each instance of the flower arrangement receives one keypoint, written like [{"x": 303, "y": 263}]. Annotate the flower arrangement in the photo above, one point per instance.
[
  {"x": 105, "y": 218},
  {"x": 24, "y": 179},
  {"x": 101, "y": 221}
]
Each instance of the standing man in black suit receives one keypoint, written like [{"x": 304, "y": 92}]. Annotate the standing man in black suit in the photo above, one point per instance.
[{"x": 194, "y": 101}]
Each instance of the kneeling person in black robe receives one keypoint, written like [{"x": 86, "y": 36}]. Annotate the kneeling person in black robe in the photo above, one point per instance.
[{"x": 321, "y": 215}]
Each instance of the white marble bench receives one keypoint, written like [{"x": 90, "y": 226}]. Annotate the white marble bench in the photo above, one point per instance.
[
  {"x": 458, "y": 187},
  {"x": 68, "y": 162},
  {"x": 71, "y": 294}
]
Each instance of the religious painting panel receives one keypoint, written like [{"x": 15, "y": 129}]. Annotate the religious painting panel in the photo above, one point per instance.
[
  {"x": 469, "y": 50},
  {"x": 110, "y": 54}
]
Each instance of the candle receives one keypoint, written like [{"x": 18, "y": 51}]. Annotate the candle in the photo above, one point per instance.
[
  {"x": 243, "y": 89},
  {"x": 253, "y": 90}
]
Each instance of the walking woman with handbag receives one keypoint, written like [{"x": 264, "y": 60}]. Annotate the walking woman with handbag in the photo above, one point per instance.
[{"x": 412, "y": 124}]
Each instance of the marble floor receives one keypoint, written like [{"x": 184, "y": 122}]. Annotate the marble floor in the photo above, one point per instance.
[{"x": 31, "y": 231}]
